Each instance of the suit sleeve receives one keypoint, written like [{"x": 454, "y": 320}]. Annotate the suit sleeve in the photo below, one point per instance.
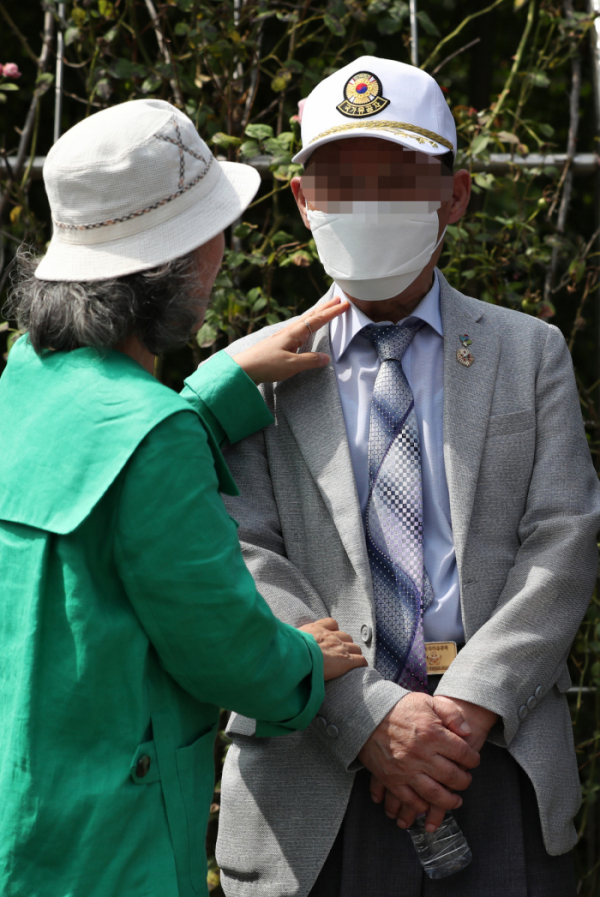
[
  {"x": 354, "y": 703},
  {"x": 178, "y": 555},
  {"x": 520, "y": 653}
]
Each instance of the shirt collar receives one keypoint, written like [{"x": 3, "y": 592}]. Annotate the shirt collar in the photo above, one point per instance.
[{"x": 344, "y": 328}]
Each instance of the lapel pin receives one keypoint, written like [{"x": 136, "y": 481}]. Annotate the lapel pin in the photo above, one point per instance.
[{"x": 463, "y": 356}]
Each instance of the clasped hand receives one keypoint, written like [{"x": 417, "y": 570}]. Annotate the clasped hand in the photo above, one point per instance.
[{"x": 421, "y": 753}]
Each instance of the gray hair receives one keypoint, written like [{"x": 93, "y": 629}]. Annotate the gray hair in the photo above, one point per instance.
[{"x": 160, "y": 306}]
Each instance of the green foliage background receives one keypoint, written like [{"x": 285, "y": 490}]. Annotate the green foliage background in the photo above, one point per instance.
[{"x": 518, "y": 77}]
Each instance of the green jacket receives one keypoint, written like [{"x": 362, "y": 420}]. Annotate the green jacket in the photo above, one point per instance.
[{"x": 127, "y": 618}]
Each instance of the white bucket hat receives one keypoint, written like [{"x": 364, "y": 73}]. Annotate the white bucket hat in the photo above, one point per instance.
[
  {"x": 373, "y": 97},
  {"x": 133, "y": 187}
]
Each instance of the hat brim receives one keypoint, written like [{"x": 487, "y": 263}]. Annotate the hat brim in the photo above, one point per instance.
[
  {"x": 160, "y": 243},
  {"x": 418, "y": 143}
]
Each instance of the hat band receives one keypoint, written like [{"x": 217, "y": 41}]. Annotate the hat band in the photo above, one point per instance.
[
  {"x": 396, "y": 127},
  {"x": 136, "y": 222}
]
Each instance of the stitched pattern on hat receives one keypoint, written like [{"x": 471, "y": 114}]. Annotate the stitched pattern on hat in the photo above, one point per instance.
[
  {"x": 179, "y": 143},
  {"x": 182, "y": 186},
  {"x": 396, "y": 127}
]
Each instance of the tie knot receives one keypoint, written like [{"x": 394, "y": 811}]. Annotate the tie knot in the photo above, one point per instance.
[{"x": 391, "y": 341}]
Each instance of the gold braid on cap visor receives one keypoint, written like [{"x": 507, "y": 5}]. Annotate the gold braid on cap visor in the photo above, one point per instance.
[{"x": 396, "y": 127}]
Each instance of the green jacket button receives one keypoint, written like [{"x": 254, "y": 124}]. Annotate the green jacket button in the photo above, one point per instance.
[{"x": 142, "y": 767}]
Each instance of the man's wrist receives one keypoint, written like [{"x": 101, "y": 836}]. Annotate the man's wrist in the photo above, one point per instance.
[
  {"x": 483, "y": 716},
  {"x": 354, "y": 706},
  {"x": 365, "y": 747},
  {"x": 479, "y": 719}
]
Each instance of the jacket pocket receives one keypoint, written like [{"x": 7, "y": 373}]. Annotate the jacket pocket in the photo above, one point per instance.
[
  {"x": 195, "y": 769},
  {"x": 506, "y": 424}
]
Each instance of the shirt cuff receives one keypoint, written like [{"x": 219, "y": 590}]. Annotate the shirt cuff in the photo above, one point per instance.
[
  {"x": 227, "y": 399},
  {"x": 315, "y": 686}
]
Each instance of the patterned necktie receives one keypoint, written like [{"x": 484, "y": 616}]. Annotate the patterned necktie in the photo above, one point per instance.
[{"x": 394, "y": 520}]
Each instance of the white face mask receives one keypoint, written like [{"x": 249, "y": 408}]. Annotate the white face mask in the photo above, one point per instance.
[{"x": 374, "y": 250}]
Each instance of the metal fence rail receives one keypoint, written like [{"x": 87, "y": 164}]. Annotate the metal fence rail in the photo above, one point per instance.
[{"x": 498, "y": 163}]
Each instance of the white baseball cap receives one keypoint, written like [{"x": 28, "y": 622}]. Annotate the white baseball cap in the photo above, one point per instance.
[
  {"x": 373, "y": 97},
  {"x": 133, "y": 187}
]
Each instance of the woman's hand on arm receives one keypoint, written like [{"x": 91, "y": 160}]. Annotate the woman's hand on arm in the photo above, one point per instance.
[
  {"x": 340, "y": 654},
  {"x": 276, "y": 357}
]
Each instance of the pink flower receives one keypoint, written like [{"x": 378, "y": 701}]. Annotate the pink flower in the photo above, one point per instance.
[
  {"x": 11, "y": 70},
  {"x": 298, "y": 117}
]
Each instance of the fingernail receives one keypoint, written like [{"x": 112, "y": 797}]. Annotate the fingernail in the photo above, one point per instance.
[
  {"x": 465, "y": 729},
  {"x": 325, "y": 360},
  {"x": 402, "y": 824},
  {"x": 460, "y": 803},
  {"x": 389, "y": 815},
  {"x": 430, "y": 827}
]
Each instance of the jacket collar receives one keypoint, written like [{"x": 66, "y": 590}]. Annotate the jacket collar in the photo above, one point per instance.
[{"x": 342, "y": 330}]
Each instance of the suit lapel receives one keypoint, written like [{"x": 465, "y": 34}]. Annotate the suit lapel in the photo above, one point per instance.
[
  {"x": 467, "y": 399},
  {"x": 310, "y": 403}
]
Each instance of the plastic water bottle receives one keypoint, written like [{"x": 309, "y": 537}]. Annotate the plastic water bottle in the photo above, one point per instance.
[{"x": 442, "y": 852}]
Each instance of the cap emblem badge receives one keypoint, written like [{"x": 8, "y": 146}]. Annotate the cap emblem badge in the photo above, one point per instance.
[{"x": 363, "y": 96}]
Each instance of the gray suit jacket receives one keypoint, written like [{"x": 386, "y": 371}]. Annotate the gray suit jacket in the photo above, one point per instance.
[{"x": 525, "y": 508}]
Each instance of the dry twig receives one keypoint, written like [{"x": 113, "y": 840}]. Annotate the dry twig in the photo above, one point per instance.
[
  {"x": 164, "y": 49},
  {"x": 452, "y": 55},
  {"x": 39, "y": 91},
  {"x": 21, "y": 37},
  {"x": 566, "y": 178}
]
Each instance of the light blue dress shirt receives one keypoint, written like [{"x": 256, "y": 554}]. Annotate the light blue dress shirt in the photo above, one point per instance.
[{"x": 356, "y": 365}]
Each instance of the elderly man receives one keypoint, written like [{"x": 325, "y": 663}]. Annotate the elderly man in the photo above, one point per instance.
[{"x": 432, "y": 489}]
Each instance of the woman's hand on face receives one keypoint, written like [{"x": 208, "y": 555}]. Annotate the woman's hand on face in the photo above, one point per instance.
[
  {"x": 276, "y": 358},
  {"x": 340, "y": 654}
]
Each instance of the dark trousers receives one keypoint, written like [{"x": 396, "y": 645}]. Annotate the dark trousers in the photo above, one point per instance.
[{"x": 372, "y": 857}]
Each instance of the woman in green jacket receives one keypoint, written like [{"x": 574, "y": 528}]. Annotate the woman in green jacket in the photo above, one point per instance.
[{"x": 127, "y": 615}]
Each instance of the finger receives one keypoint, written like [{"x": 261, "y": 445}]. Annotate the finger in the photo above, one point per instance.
[
  {"x": 345, "y": 636},
  {"x": 337, "y": 666},
  {"x": 451, "y": 715},
  {"x": 434, "y": 819},
  {"x": 456, "y": 748},
  {"x": 449, "y": 774},
  {"x": 409, "y": 800},
  {"x": 346, "y": 646},
  {"x": 299, "y": 332},
  {"x": 377, "y": 789},
  {"x": 406, "y": 816},
  {"x": 296, "y": 334},
  {"x": 324, "y": 306},
  {"x": 436, "y": 794},
  {"x": 328, "y": 623},
  {"x": 322, "y": 315},
  {"x": 330, "y": 303},
  {"x": 391, "y": 805},
  {"x": 306, "y": 362},
  {"x": 357, "y": 660}
]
